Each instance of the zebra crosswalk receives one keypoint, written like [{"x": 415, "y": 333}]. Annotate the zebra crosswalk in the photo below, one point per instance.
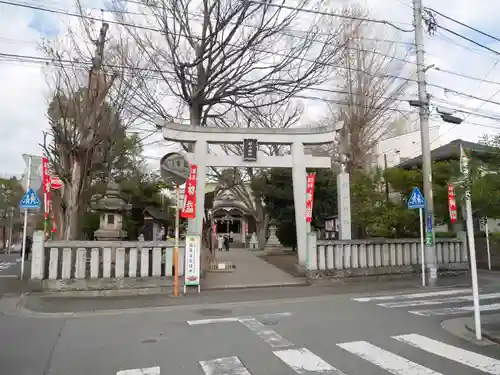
[
  {"x": 436, "y": 303},
  {"x": 302, "y": 360},
  {"x": 4, "y": 265}
]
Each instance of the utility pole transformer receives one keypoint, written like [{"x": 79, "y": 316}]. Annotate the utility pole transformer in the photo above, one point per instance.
[{"x": 425, "y": 143}]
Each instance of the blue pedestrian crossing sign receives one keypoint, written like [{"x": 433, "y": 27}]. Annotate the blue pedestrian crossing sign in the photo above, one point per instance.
[
  {"x": 416, "y": 199},
  {"x": 30, "y": 200}
]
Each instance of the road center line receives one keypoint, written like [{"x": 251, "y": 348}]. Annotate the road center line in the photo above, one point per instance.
[{"x": 234, "y": 319}]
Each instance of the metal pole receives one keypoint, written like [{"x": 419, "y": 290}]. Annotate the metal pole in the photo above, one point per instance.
[
  {"x": 25, "y": 226},
  {"x": 385, "y": 179},
  {"x": 486, "y": 229},
  {"x": 11, "y": 224},
  {"x": 472, "y": 246},
  {"x": 176, "y": 247},
  {"x": 422, "y": 251},
  {"x": 425, "y": 142}
]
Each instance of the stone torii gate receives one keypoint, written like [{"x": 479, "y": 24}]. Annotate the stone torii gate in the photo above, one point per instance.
[{"x": 297, "y": 138}]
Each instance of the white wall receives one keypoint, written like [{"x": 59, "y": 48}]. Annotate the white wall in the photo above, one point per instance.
[{"x": 404, "y": 146}]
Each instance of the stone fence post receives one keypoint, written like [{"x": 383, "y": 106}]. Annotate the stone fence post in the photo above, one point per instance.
[{"x": 38, "y": 256}]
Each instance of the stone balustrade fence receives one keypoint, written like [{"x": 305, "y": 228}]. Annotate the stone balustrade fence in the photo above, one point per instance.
[
  {"x": 379, "y": 256},
  {"x": 85, "y": 265}
]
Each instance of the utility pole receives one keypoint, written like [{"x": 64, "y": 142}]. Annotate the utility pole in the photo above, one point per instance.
[
  {"x": 385, "y": 179},
  {"x": 425, "y": 142},
  {"x": 11, "y": 224}
]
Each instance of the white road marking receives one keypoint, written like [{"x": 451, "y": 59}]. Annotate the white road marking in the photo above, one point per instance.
[
  {"x": 386, "y": 360},
  {"x": 233, "y": 319},
  {"x": 465, "y": 357},
  {"x": 455, "y": 310},
  {"x": 302, "y": 361},
  {"x": 268, "y": 335},
  {"x": 441, "y": 301},
  {"x": 140, "y": 371},
  {"x": 224, "y": 366},
  {"x": 414, "y": 295},
  {"x": 211, "y": 321},
  {"x": 6, "y": 265}
]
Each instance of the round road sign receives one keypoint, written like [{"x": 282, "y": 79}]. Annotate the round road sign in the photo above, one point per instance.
[
  {"x": 55, "y": 183},
  {"x": 174, "y": 168}
]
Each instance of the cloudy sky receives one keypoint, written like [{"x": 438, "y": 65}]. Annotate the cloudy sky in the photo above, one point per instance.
[{"x": 24, "y": 91}]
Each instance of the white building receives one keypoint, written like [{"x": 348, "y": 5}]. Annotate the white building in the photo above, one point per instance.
[{"x": 402, "y": 147}]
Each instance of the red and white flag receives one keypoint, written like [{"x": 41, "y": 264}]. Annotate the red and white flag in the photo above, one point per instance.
[
  {"x": 189, "y": 208},
  {"x": 311, "y": 180}
]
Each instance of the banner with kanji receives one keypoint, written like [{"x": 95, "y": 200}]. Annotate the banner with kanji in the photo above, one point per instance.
[
  {"x": 452, "y": 204},
  {"x": 189, "y": 207},
  {"x": 46, "y": 192},
  {"x": 311, "y": 179}
]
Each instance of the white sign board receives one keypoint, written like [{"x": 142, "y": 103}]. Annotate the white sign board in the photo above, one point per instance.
[
  {"x": 193, "y": 255},
  {"x": 344, "y": 209},
  {"x": 35, "y": 181}
]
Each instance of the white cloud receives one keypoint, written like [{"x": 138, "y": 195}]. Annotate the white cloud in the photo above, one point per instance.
[{"x": 23, "y": 95}]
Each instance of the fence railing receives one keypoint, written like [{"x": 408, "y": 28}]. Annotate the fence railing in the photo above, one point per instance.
[
  {"x": 379, "y": 256},
  {"x": 94, "y": 260}
]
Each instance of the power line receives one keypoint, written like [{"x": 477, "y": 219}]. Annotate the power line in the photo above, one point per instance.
[
  {"x": 467, "y": 76},
  {"x": 469, "y": 40},
  {"x": 432, "y": 25},
  {"x": 258, "y": 50},
  {"x": 383, "y": 22},
  {"x": 463, "y": 24}
]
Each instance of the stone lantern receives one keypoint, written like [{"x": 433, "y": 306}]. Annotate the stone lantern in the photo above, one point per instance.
[
  {"x": 273, "y": 243},
  {"x": 111, "y": 207}
]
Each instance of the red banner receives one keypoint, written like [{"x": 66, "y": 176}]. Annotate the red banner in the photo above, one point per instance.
[
  {"x": 452, "y": 204},
  {"x": 46, "y": 191},
  {"x": 311, "y": 179},
  {"x": 189, "y": 208}
]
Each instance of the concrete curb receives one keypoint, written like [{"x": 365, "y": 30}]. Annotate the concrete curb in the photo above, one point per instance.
[
  {"x": 260, "y": 286},
  {"x": 21, "y": 310},
  {"x": 484, "y": 333},
  {"x": 163, "y": 290}
]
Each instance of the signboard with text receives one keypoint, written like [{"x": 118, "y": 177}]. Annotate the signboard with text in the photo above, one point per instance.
[
  {"x": 311, "y": 179},
  {"x": 192, "y": 259},
  {"x": 189, "y": 206},
  {"x": 452, "y": 204},
  {"x": 250, "y": 149}
]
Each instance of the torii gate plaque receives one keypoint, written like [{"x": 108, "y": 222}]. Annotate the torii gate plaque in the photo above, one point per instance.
[{"x": 297, "y": 138}]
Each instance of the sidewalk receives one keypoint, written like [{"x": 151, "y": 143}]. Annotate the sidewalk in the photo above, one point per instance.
[
  {"x": 490, "y": 326},
  {"x": 250, "y": 272}
]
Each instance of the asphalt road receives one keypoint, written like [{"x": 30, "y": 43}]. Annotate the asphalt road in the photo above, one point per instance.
[
  {"x": 329, "y": 334},
  {"x": 10, "y": 264}
]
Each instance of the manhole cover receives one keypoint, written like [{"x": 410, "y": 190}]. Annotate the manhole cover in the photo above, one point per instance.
[{"x": 214, "y": 312}]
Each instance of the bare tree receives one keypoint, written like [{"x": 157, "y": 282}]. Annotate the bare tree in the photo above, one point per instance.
[
  {"x": 375, "y": 78},
  {"x": 88, "y": 114},
  {"x": 225, "y": 54}
]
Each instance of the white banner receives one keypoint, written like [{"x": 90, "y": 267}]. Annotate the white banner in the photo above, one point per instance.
[
  {"x": 193, "y": 255},
  {"x": 35, "y": 181}
]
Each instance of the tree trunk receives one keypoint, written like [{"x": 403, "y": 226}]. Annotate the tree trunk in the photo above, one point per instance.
[
  {"x": 73, "y": 203},
  {"x": 4, "y": 234},
  {"x": 262, "y": 231}
]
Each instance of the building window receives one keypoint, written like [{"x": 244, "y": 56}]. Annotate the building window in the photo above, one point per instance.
[{"x": 111, "y": 219}]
